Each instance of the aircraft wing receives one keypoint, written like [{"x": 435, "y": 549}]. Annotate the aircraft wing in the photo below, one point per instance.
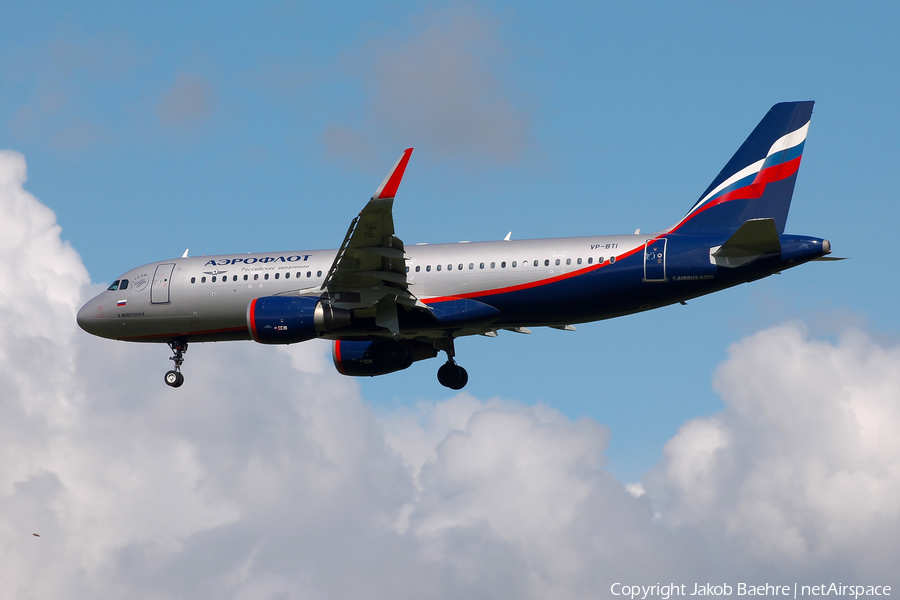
[{"x": 369, "y": 270}]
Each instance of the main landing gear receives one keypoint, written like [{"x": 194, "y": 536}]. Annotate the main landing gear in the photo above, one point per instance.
[
  {"x": 174, "y": 378},
  {"x": 451, "y": 375}
]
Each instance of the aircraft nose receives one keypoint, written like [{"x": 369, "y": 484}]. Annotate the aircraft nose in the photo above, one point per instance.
[{"x": 86, "y": 316}]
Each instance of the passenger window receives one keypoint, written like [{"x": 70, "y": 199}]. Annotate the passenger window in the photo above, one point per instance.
[
  {"x": 503, "y": 264},
  {"x": 318, "y": 273},
  {"x": 123, "y": 285},
  {"x": 493, "y": 265},
  {"x": 568, "y": 261},
  {"x": 245, "y": 277},
  {"x": 309, "y": 274},
  {"x": 193, "y": 280},
  {"x": 407, "y": 268},
  {"x": 203, "y": 280},
  {"x": 255, "y": 276},
  {"x": 428, "y": 268},
  {"x": 513, "y": 264},
  {"x": 266, "y": 276},
  {"x": 418, "y": 268},
  {"x": 481, "y": 265},
  {"x": 612, "y": 259},
  {"x": 114, "y": 286},
  {"x": 234, "y": 278},
  {"x": 590, "y": 260},
  {"x": 287, "y": 275},
  {"x": 277, "y": 275},
  {"x": 460, "y": 266},
  {"x": 449, "y": 267},
  {"x": 213, "y": 278},
  {"x": 579, "y": 261},
  {"x": 439, "y": 267},
  {"x": 600, "y": 261},
  {"x": 557, "y": 262}
]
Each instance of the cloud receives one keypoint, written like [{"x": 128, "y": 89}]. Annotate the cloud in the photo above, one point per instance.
[
  {"x": 443, "y": 88},
  {"x": 533, "y": 481},
  {"x": 801, "y": 472},
  {"x": 189, "y": 102},
  {"x": 64, "y": 87},
  {"x": 268, "y": 475},
  {"x": 280, "y": 78}
]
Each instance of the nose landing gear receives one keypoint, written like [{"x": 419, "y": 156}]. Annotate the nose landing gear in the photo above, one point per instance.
[
  {"x": 451, "y": 375},
  {"x": 174, "y": 378}
]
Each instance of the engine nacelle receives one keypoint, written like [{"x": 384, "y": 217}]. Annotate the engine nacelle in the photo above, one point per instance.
[
  {"x": 379, "y": 357},
  {"x": 292, "y": 319}
]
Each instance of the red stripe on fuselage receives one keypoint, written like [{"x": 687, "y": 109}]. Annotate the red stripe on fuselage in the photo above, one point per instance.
[
  {"x": 534, "y": 284},
  {"x": 514, "y": 288}
]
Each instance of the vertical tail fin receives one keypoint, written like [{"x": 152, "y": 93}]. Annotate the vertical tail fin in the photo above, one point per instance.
[{"x": 758, "y": 181}]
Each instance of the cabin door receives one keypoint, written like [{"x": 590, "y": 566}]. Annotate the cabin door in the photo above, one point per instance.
[
  {"x": 655, "y": 260},
  {"x": 162, "y": 279}
]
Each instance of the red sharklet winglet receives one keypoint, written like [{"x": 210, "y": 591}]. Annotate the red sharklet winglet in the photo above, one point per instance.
[{"x": 388, "y": 187}]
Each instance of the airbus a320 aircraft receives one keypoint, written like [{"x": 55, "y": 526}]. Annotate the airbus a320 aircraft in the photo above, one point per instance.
[{"x": 386, "y": 305}]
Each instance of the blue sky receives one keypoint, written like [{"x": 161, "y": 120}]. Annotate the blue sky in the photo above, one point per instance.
[{"x": 149, "y": 129}]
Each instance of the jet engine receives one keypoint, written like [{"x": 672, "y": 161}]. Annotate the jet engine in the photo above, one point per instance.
[
  {"x": 292, "y": 319},
  {"x": 379, "y": 357}
]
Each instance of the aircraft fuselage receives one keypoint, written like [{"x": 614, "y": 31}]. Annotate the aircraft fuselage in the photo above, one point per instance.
[{"x": 543, "y": 282}]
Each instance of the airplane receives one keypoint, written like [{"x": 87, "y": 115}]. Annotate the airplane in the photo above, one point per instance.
[{"x": 386, "y": 305}]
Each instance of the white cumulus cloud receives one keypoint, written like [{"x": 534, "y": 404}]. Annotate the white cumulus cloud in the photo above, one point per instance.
[
  {"x": 801, "y": 472},
  {"x": 442, "y": 87}
]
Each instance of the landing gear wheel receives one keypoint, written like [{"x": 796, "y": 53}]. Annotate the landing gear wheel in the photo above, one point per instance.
[
  {"x": 174, "y": 379},
  {"x": 452, "y": 376}
]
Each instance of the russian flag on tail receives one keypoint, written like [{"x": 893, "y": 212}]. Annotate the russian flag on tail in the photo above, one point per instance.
[{"x": 758, "y": 181}]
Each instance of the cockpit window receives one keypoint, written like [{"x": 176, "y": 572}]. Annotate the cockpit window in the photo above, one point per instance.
[
  {"x": 114, "y": 286},
  {"x": 123, "y": 285}
]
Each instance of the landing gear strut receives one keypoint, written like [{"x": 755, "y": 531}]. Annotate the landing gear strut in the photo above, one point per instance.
[
  {"x": 174, "y": 378},
  {"x": 450, "y": 374}
]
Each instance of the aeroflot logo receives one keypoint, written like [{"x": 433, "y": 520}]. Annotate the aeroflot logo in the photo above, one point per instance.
[{"x": 251, "y": 260}]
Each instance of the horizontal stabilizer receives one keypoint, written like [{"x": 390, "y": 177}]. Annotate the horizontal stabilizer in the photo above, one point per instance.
[
  {"x": 831, "y": 258},
  {"x": 755, "y": 238}
]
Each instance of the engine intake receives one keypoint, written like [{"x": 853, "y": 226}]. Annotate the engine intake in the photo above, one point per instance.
[
  {"x": 292, "y": 319},
  {"x": 379, "y": 357}
]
